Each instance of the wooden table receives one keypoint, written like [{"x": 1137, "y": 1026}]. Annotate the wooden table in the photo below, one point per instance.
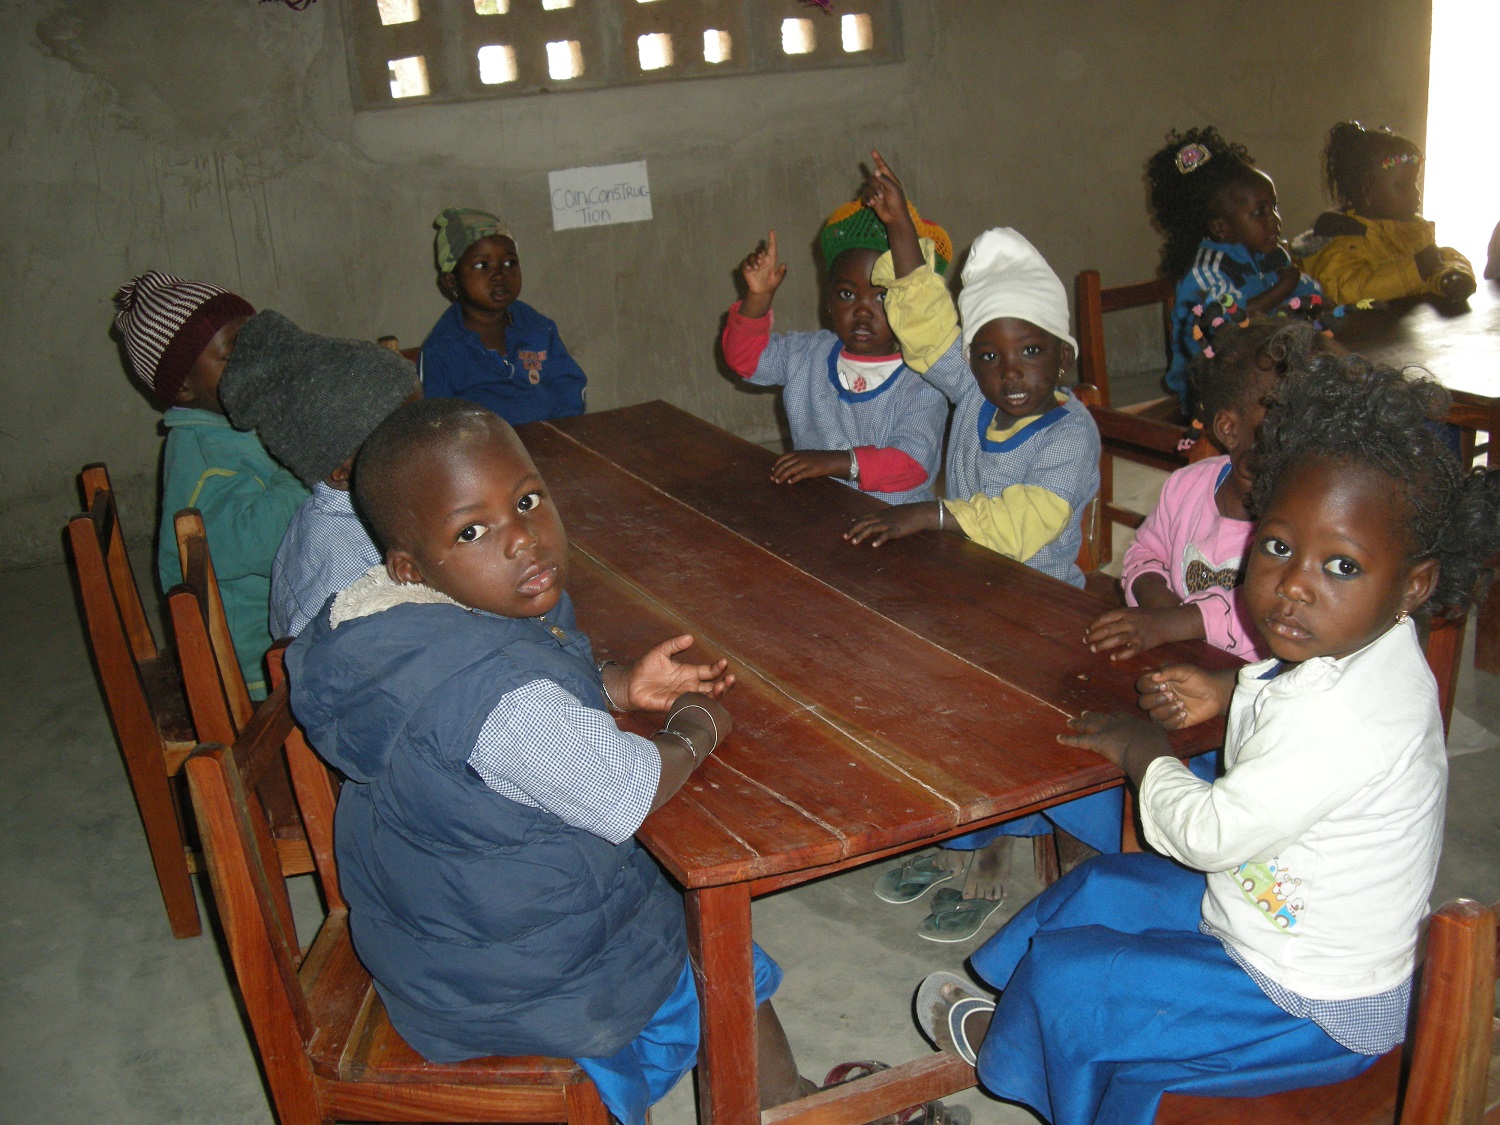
[
  {"x": 887, "y": 699},
  {"x": 1460, "y": 346}
]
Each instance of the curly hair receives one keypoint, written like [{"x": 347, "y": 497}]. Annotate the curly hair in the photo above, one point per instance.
[
  {"x": 1362, "y": 413},
  {"x": 1353, "y": 153},
  {"x": 1225, "y": 375},
  {"x": 1183, "y": 202}
]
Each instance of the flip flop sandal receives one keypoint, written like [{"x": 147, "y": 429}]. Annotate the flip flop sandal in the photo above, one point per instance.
[
  {"x": 933, "y": 1007},
  {"x": 911, "y": 880},
  {"x": 957, "y": 921},
  {"x": 932, "y": 1113}
]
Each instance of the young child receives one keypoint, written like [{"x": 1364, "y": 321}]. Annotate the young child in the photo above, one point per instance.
[
  {"x": 313, "y": 400},
  {"x": 1289, "y": 963},
  {"x": 178, "y": 335},
  {"x": 1023, "y": 463},
  {"x": 1378, "y": 246},
  {"x": 490, "y": 347},
  {"x": 485, "y": 830},
  {"x": 1181, "y": 576},
  {"x": 857, "y": 412},
  {"x": 1218, "y": 212}
]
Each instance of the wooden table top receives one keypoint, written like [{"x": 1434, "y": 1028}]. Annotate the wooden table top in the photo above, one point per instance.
[
  {"x": 1459, "y": 345},
  {"x": 886, "y": 697}
]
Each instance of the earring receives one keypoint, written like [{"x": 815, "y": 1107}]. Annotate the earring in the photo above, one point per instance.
[{"x": 1401, "y": 616}]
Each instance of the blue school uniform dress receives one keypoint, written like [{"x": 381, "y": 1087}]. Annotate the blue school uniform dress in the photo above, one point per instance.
[
  {"x": 533, "y": 380},
  {"x": 325, "y": 548},
  {"x": 1222, "y": 272},
  {"x": 903, "y": 412},
  {"x": 484, "y": 839}
]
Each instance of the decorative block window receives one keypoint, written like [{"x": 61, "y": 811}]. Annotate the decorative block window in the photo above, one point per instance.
[{"x": 405, "y": 52}]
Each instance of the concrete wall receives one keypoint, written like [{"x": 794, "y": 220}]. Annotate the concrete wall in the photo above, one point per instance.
[{"x": 215, "y": 139}]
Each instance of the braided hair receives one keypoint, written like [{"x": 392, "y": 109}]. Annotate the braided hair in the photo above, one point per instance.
[
  {"x": 1371, "y": 415},
  {"x": 1186, "y": 177},
  {"x": 1353, "y": 153}
]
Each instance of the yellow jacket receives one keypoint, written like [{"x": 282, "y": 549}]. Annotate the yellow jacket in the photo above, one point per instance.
[{"x": 1358, "y": 258}]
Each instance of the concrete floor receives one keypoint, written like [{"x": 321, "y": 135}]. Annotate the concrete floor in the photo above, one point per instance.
[{"x": 107, "y": 1018}]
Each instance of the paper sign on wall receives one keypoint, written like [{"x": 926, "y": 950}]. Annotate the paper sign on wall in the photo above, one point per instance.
[{"x": 595, "y": 197}]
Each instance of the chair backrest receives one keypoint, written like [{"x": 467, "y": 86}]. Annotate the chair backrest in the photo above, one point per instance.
[
  {"x": 141, "y": 689},
  {"x": 198, "y": 575},
  {"x": 1091, "y": 301}
]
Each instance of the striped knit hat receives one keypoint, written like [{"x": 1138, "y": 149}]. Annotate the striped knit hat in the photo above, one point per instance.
[
  {"x": 166, "y": 323},
  {"x": 854, "y": 226}
]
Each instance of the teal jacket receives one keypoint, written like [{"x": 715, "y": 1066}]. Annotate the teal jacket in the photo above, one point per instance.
[{"x": 247, "y": 500}]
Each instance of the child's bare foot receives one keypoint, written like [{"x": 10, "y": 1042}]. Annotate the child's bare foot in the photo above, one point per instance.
[
  {"x": 951, "y": 1016},
  {"x": 991, "y": 869}
]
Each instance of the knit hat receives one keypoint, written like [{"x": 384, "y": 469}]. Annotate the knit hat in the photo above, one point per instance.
[
  {"x": 312, "y": 399},
  {"x": 1005, "y": 276},
  {"x": 166, "y": 323},
  {"x": 458, "y": 228},
  {"x": 856, "y": 227}
]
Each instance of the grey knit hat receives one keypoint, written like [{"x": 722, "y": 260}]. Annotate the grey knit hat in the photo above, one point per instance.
[{"x": 312, "y": 399}]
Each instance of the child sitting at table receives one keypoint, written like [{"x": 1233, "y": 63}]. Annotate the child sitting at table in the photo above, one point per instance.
[
  {"x": 856, "y": 412},
  {"x": 1288, "y": 964},
  {"x": 1182, "y": 573},
  {"x": 1218, "y": 212},
  {"x": 178, "y": 335},
  {"x": 313, "y": 400},
  {"x": 1023, "y": 464},
  {"x": 1378, "y": 246},
  {"x": 490, "y": 347},
  {"x": 485, "y": 832}
]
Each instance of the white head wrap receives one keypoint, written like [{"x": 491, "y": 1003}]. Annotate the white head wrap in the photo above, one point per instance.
[{"x": 1005, "y": 276}]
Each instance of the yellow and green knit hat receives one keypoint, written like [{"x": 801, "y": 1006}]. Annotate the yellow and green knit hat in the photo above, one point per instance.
[{"x": 856, "y": 227}]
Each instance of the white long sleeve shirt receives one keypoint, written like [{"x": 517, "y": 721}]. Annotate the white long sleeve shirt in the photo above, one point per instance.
[{"x": 1321, "y": 840}]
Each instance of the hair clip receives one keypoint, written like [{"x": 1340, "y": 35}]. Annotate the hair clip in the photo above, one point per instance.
[
  {"x": 1186, "y": 443},
  {"x": 1386, "y": 164},
  {"x": 1192, "y": 157}
]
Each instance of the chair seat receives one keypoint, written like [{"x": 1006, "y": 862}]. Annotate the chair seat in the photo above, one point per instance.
[
  {"x": 356, "y": 1042},
  {"x": 1369, "y": 1099},
  {"x": 169, "y": 707}
]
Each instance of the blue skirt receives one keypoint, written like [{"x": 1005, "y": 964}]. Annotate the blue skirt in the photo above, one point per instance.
[
  {"x": 640, "y": 1074},
  {"x": 1110, "y": 996},
  {"x": 1097, "y": 819}
]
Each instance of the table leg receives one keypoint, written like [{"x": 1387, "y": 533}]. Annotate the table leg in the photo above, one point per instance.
[{"x": 718, "y": 923}]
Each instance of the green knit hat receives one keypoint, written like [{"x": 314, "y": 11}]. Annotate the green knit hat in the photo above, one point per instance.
[{"x": 856, "y": 227}]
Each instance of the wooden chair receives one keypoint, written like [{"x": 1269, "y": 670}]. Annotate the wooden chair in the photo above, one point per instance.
[
  {"x": 1445, "y": 1061},
  {"x": 141, "y": 690},
  {"x": 214, "y": 685},
  {"x": 328, "y": 1049}
]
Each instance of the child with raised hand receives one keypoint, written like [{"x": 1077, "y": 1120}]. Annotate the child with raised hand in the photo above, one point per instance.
[
  {"x": 1023, "y": 463},
  {"x": 856, "y": 411},
  {"x": 1023, "y": 454},
  {"x": 312, "y": 400},
  {"x": 1181, "y": 575},
  {"x": 1377, "y": 246},
  {"x": 490, "y": 347},
  {"x": 179, "y": 335},
  {"x": 1277, "y": 951},
  {"x": 1222, "y": 226},
  {"x": 485, "y": 832}
]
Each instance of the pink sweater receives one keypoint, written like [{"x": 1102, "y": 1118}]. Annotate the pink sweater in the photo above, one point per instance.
[{"x": 1201, "y": 554}]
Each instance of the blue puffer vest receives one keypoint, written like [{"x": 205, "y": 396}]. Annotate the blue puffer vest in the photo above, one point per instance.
[{"x": 490, "y": 927}]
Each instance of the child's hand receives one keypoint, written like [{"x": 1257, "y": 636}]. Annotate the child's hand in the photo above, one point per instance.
[
  {"x": 894, "y": 523},
  {"x": 762, "y": 270},
  {"x": 805, "y": 464},
  {"x": 884, "y": 194},
  {"x": 656, "y": 680},
  {"x": 1124, "y": 633},
  {"x": 1129, "y": 742},
  {"x": 1184, "y": 695}
]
